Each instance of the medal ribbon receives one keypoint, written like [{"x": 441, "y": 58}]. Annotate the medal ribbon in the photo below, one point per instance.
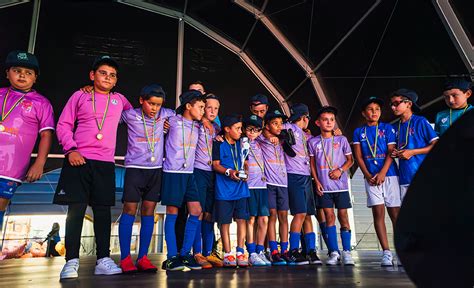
[
  {"x": 184, "y": 142},
  {"x": 151, "y": 144},
  {"x": 262, "y": 167},
  {"x": 372, "y": 151},
  {"x": 5, "y": 115},
  {"x": 406, "y": 137},
  {"x": 101, "y": 124},
  {"x": 451, "y": 112},
  {"x": 208, "y": 145},
  {"x": 234, "y": 157},
  {"x": 330, "y": 164}
]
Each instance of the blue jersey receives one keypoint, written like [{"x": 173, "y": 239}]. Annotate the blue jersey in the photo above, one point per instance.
[
  {"x": 229, "y": 157},
  {"x": 420, "y": 134},
  {"x": 365, "y": 136},
  {"x": 446, "y": 118}
]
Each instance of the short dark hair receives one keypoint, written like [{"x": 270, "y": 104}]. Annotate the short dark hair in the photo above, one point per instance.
[
  {"x": 107, "y": 62},
  {"x": 197, "y": 99},
  {"x": 197, "y": 82}
]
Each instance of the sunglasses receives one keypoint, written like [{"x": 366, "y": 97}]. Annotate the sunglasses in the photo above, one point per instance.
[
  {"x": 397, "y": 103},
  {"x": 254, "y": 130}
]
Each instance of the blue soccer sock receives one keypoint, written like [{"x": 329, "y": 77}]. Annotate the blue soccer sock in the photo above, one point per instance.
[
  {"x": 273, "y": 245},
  {"x": 324, "y": 233},
  {"x": 207, "y": 231},
  {"x": 189, "y": 233},
  {"x": 332, "y": 239},
  {"x": 251, "y": 247},
  {"x": 240, "y": 249},
  {"x": 170, "y": 235},
  {"x": 260, "y": 248},
  {"x": 197, "y": 246},
  {"x": 310, "y": 240},
  {"x": 125, "y": 234},
  {"x": 346, "y": 239},
  {"x": 146, "y": 231},
  {"x": 284, "y": 246},
  {"x": 294, "y": 241}
]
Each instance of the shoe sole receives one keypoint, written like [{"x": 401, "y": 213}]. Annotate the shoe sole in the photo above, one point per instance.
[
  {"x": 279, "y": 264},
  {"x": 130, "y": 272},
  {"x": 107, "y": 273},
  {"x": 193, "y": 267},
  {"x": 68, "y": 277},
  {"x": 349, "y": 264},
  {"x": 316, "y": 262},
  {"x": 151, "y": 270},
  {"x": 180, "y": 268}
]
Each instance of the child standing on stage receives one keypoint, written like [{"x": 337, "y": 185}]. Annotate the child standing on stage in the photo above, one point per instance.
[
  {"x": 373, "y": 145},
  {"x": 331, "y": 157},
  {"x": 415, "y": 136},
  {"x": 456, "y": 93},
  {"x": 277, "y": 185},
  {"x": 258, "y": 200},
  {"x": 143, "y": 163},
  {"x": 231, "y": 191},
  {"x": 179, "y": 184},
  {"x": 300, "y": 192},
  {"x": 25, "y": 114},
  {"x": 205, "y": 178},
  {"x": 87, "y": 130}
]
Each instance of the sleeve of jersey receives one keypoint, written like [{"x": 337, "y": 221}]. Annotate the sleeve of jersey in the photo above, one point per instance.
[
  {"x": 391, "y": 135},
  {"x": 438, "y": 132},
  {"x": 216, "y": 151},
  {"x": 310, "y": 147},
  {"x": 65, "y": 127},
  {"x": 126, "y": 103},
  {"x": 428, "y": 132},
  {"x": 46, "y": 117},
  {"x": 356, "y": 137},
  {"x": 346, "y": 147}
]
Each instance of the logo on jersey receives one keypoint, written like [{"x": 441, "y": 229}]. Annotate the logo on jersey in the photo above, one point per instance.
[
  {"x": 444, "y": 120},
  {"x": 62, "y": 192},
  {"x": 381, "y": 133},
  {"x": 114, "y": 101},
  {"x": 362, "y": 135},
  {"x": 26, "y": 105},
  {"x": 138, "y": 117}
]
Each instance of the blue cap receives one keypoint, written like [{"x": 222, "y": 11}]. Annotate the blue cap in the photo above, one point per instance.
[
  {"x": 253, "y": 120},
  {"x": 153, "y": 90},
  {"x": 104, "y": 60},
  {"x": 370, "y": 100},
  {"x": 275, "y": 114},
  {"x": 326, "y": 109},
  {"x": 187, "y": 97},
  {"x": 259, "y": 99},
  {"x": 411, "y": 95},
  {"x": 297, "y": 110},
  {"x": 20, "y": 58},
  {"x": 457, "y": 83},
  {"x": 230, "y": 120}
]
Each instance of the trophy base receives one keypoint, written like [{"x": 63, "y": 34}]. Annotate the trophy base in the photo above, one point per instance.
[{"x": 243, "y": 175}]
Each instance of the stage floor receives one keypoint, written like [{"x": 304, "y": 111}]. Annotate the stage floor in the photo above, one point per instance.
[{"x": 43, "y": 272}]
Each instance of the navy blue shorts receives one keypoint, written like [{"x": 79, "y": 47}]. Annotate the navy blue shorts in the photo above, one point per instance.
[
  {"x": 8, "y": 188},
  {"x": 225, "y": 210},
  {"x": 205, "y": 186},
  {"x": 258, "y": 202},
  {"x": 178, "y": 188},
  {"x": 278, "y": 198},
  {"x": 340, "y": 200},
  {"x": 300, "y": 194},
  {"x": 144, "y": 184}
]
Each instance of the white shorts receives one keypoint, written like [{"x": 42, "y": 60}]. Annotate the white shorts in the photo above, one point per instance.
[
  {"x": 403, "y": 191},
  {"x": 387, "y": 193}
]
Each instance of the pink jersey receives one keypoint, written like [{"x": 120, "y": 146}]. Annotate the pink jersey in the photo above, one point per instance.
[
  {"x": 33, "y": 114},
  {"x": 77, "y": 126}
]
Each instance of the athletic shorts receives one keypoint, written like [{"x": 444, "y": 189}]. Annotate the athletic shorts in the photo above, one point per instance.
[
  {"x": 278, "y": 198},
  {"x": 8, "y": 188},
  {"x": 178, "y": 188},
  {"x": 258, "y": 202},
  {"x": 142, "y": 184},
  {"x": 403, "y": 191},
  {"x": 205, "y": 186},
  {"x": 300, "y": 194},
  {"x": 387, "y": 193},
  {"x": 340, "y": 200},
  {"x": 225, "y": 210}
]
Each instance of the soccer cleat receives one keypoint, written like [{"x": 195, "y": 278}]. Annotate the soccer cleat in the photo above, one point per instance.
[
  {"x": 189, "y": 261},
  {"x": 173, "y": 264},
  {"x": 106, "y": 266},
  {"x": 347, "y": 258},
  {"x": 144, "y": 265},
  {"x": 387, "y": 259},
  {"x": 313, "y": 258},
  {"x": 255, "y": 260},
  {"x": 215, "y": 260},
  {"x": 242, "y": 260},
  {"x": 127, "y": 265},
  {"x": 69, "y": 270},
  {"x": 294, "y": 257},
  {"x": 333, "y": 258},
  {"x": 230, "y": 261},
  {"x": 201, "y": 260},
  {"x": 277, "y": 260}
]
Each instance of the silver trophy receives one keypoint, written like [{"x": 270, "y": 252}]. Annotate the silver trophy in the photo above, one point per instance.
[{"x": 244, "y": 153}]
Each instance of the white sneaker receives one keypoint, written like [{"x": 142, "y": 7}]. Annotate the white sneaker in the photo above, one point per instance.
[
  {"x": 387, "y": 259},
  {"x": 255, "y": 260},
  {"x": 264, "y": 258},
  {"x": 333, "y": 258},
  {"x": 70, "y": 269},
  {"x": 347, "y": 258},
  {"x": 107, "y": 266}
]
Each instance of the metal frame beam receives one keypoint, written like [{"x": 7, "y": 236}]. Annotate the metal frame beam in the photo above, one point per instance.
[
  {"x": 34, "y": 26},
  {"x": 9, "y": 3}
]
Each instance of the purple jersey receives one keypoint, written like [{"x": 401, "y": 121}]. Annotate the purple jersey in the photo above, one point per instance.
[
  {"x": 300, "y": 163},
  {"x": 256, "y": 164},
  {"x": 180, "y": 145},
  {"x": 275, "y": 168},
  {"x": 138, "y": 149},
  {"x": 32, "y": 114},
  {"x": 203, "y": 159},
  {"x": 77, "y": 127},
  {"x": 336, "y": 156}
]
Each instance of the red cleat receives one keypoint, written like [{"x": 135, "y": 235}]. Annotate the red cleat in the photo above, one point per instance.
[
  {"x": 127, "y": 265},
  {"x": 144, "y": 265}
]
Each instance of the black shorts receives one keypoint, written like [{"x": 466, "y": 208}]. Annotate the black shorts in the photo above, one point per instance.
[
  {"x": 92, "y": 183},
  {"x": 144, "y": 184}
]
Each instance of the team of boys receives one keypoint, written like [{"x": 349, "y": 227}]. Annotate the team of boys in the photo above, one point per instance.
[{"x": 185, "y": 159}]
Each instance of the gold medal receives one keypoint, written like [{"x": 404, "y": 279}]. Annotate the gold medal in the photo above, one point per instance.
[
  {"x": 185, "y": 165},
  {"x": 209, "y": 162},
  {"x": 2, "y": 128},
  {"x": 99, "y": 136},
  {"x": 264, "y": 179},
  {"x": 152, "y": 159},
  {"x": 306, "y": 162}
]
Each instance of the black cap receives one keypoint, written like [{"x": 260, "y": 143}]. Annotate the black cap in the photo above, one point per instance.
[
  {"x": 153, "y": 90},
  {"x": 253, "y": 120},
  {"x": 411, "y": 95},
  {"x": 326, "y": 109},
  {"x": 104, "y": 60},
  {"x": 187, "y": 97},
  {"x": 370, "y": 100},
  {"x": 259, "y": 99},
  {"x": 457, "y": 83},
  {"x": 275, "y": 114},
  {"x": 230, "y": 120},
  {"x": 297, "y": 110},
  {"x": 20, "y": 58}
]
